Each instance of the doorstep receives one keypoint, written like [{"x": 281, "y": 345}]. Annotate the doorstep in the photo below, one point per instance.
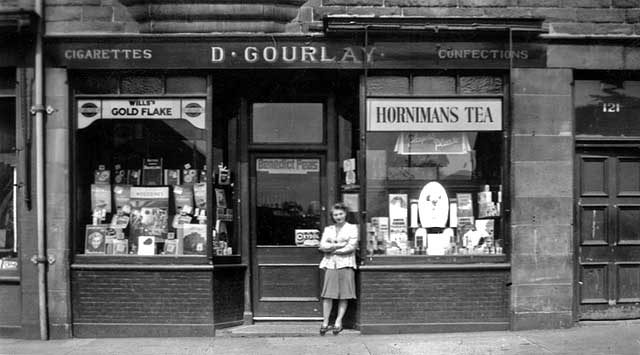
[{"x": 278, "y": 329}]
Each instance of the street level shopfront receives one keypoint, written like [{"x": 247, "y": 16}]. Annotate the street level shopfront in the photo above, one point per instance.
[{"x": 203, "y": 170}]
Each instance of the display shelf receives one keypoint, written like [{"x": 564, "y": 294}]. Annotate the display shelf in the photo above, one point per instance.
[
  {"x": 141, "y": 260},
  {"x": 435, "y": 259}
]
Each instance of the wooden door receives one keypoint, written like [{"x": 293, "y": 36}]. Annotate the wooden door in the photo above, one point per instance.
[
  {"x": 287, "y": 198},
  {"x": 608, "y": 233}
]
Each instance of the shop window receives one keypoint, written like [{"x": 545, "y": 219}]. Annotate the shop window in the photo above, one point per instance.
[
  {"x": 607, "y": 108},
  {"x": 282, "y": 123},
  {"x": 434, "y": 169},
  {"x": 8, "y": 185},
  {"x": 142, "y": 182}
]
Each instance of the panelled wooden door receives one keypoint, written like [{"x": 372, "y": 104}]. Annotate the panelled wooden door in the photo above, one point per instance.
[
  {"x": 608, "y": 233},
  {"x": 287, "y": 195}
]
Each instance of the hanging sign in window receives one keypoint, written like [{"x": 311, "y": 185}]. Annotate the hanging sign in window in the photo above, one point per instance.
[
  {"x": 434, "y": 114},
  {"x": 192, "y": 110},
  {"x": 288, "y": 166}
]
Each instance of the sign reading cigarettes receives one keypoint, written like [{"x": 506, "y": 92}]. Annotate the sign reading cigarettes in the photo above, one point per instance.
[
  {"x": 434, "y": 114},
  {"x": 191, "y": 110}
]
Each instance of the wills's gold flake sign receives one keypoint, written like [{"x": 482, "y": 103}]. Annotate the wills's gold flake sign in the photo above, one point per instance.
[
  {"x": 191, "y": 110},
  {"x": 434, "y": 114}
]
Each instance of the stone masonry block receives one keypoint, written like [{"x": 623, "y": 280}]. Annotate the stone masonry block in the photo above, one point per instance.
[
  {"x": 388, "y": 85},
  {"x": 375, "y": 11},
  {"x": 632, "y": 16},
  {"x": 56, "y": 153},
  {"x": 84, "y": 27},
  {"x": 542, "y": 298},
  {"x": 73, "y": 2},
  {"x": 572, "y": 28},
  {"x": 58, "y": 276},
  {"x": 57, "y": 183},
  {"x": 487, "y": 3},
  {"x": 62, "y": 13},
  {"x": 541, "y": 269},
  {"x": 58, "y": 234},
  {"x": 542, "y": 114},
  {"x": 586, "y": 3},
  {"x": 100, "y": 13},
  {"x": 544, "y": 239},
  {"x": 442, "y": 11},
  {"x": 542, "y": 81},
  {"x": 542, "y": 211},
  {"x": 538, "y": 3},
  {"x": 613, "y": 29},
  {"x": 58, "y": 306},
  {"x": 543, "y": 179},
  {"x": 601, "y": 15},
  {"x": 555, "y": 14},
  {"x": 624, "y": 3},
  {"x": 320, "y": 12},
  {"x": 426, "y": 85},
  {"x": 541, "y": 320},
  {"x": 632, "y": 56},
  {"x": 541, "y": 148},
  {"x": 421, "y": 3},
  {"x": 352, "y": 2},
  {"x": 585, "y": 57},
  {"x": 53, "y": 208}
]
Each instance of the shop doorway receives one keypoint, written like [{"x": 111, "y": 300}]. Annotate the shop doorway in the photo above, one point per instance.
[
  {"x": 608, "y": 233},
  {"x": 287, "y": 204}
]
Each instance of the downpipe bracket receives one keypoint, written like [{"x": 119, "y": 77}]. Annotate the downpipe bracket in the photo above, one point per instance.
[
  {"x": 43, "y": 260},
  {"x": 41, "y": 108}
]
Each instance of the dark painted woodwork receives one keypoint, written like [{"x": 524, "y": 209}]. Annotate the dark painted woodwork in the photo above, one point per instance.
[
  {"x": 228, "y": 294},
  {"x": 608, "y": 262}
]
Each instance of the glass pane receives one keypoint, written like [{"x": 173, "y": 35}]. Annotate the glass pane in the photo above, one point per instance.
[
  {"x": 607, "y": 109},
  {"x": 142, "y": 188},
  {"x": 7, "y": 126},
  {"x": 287, "y": 123},
  {"x": 463, "y": 171},
  {"x": 7, "y": 212},
  {"x": 287, "y": 199}
]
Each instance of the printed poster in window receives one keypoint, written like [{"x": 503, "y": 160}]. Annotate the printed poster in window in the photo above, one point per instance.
[{"x": 149, "y": 211}]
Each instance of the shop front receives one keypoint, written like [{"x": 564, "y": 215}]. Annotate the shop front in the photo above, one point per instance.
[{"x": 201, "y": 182}]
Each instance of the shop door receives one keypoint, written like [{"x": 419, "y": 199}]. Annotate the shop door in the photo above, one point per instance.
[
  {"x": 287, "y": 194},
  {"x": 608, "y": 233}
]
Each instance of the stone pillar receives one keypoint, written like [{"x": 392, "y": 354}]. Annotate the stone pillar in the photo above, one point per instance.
[
  {"x": 58, "y": 197},
  {"x": 542, "y": 199}
]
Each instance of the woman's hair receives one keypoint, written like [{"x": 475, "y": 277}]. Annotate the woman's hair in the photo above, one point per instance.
[{"x": 339, "y": 206}]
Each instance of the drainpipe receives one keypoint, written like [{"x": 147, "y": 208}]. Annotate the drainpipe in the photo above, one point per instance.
[{"x": 38, "y": 110}]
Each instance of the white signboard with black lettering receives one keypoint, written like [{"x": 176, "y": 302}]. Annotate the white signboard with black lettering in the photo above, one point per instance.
[
  {"x": 192, "y": 110},
  {"x": 450, "y": 114}
]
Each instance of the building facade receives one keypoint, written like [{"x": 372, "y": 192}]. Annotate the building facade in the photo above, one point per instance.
[{"x": 192, "y": 152}]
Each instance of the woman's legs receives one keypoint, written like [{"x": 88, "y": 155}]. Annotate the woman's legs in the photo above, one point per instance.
[
  {"x": 342, "y": 309},
  {"x": 327, "y": 305}
]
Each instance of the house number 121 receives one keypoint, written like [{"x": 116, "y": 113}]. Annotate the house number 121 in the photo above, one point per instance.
[{"x": 610, "y": 107}]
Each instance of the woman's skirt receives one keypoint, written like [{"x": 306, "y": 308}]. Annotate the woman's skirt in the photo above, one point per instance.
[{"x": 339, "y": 284}]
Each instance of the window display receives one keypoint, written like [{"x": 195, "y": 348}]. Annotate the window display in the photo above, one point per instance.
[{"x": 433, "y": 172}]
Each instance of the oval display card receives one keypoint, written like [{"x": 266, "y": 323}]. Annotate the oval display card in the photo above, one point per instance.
[{"x": 433, "y": 206}]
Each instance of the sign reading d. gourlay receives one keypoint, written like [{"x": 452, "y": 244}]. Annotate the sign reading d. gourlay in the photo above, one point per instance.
[{"x": 405, "y": 114}]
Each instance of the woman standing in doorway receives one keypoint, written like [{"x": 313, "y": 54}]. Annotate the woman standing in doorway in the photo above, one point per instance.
[{"x": 339, "y": 243}]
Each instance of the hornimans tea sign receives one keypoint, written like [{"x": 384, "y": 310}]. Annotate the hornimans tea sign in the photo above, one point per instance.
[
  {"x": 303, "y": 53},
  {"x": 434, "y": 114}
]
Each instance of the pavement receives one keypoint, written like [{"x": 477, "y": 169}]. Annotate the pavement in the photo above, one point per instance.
[{"x": 589, "y": 338}]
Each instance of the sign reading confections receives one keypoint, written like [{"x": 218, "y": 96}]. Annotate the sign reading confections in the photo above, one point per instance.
[
  {"x": 408, "y": 114},
  {"x": 192, "y": 110}
]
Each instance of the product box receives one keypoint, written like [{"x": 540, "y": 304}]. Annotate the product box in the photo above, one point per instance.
[
  {"x": 120, "y": 247},
  {"x": 95, "y": 239},
  {"x": 172, "y": 176},
  {"x": 221, "y": 199},
  {"x": 134, "y": 177},
  {"x": 146, "y": 245},
  {"x": 193, "y": 238},
  {"x": 189, "y": 176},
  {"x": 102, "y": 176},
  {"x": 119, "y": 175},
  {"x": 381, "y": 228},
  {"x": 101, "y": 197},
  {"x": 122, "y": 197},
  {"x": 152, "y": 171},
  {"x": 149, "y": 211},
  {"x": 183, "y": 196},
  {"x": 172, "y": 247},
  {"x": 465, "y": 205},
  {"x": 200, "y": 195}
]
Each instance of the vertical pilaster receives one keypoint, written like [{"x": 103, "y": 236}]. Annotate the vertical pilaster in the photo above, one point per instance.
[{"x": 542, "y": 199}]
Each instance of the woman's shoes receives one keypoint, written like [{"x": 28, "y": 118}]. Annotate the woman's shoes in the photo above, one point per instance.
[
  {"x": 336, "y": 330},
  {"x": 324, "y": 330}
]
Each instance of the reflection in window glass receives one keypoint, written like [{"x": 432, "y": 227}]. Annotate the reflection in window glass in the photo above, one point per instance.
[
  {"x": 287, "y": 198},
  {"x": 287, "y": 123}
]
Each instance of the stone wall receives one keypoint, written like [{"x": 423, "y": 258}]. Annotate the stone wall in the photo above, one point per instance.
[{"x": 620, "y": 17}]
